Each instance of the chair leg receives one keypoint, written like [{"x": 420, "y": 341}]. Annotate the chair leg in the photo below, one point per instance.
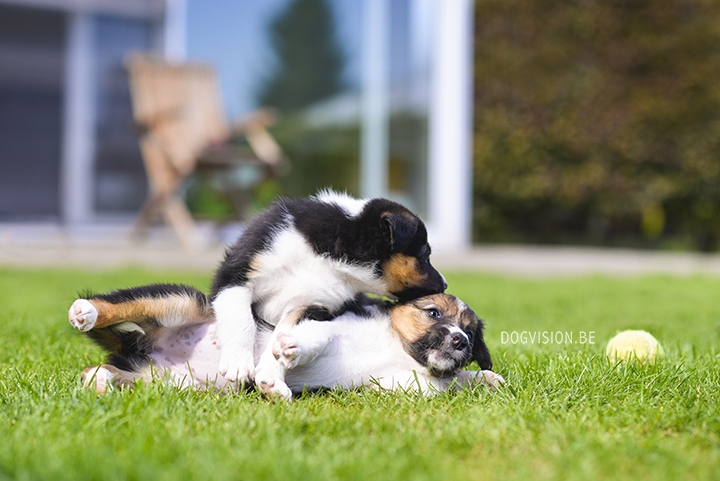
[
  {"x": 181, "y": 221},
  {"x": 173, "y": 210},
  {"x": 147, "y": 215}
]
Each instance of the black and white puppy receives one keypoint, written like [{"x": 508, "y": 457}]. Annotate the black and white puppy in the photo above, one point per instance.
[
  {"x": 308, "y": 258},
  {"x": 168, "y": 333}
]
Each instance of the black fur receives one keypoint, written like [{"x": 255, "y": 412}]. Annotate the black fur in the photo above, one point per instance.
[
  {"x": 127, "y": 351},
  {"x": 358, "y": 306},
  {"x": 257, "y": 236},
  {"x": 480, "y": 351},
  {"x": 366, "y": 238}
]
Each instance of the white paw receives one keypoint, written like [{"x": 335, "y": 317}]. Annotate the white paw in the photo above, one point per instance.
[
  {"x": 235, "y": 368},
  {"x": 98, "y": 378},
  {"x": 273, "y": 388},
  {"x": 286, "y": 351},
  {"x": 491, "y": 379},
  {"x": 486, "y": 379},
  {"x": 269, "y": 379},
  {"x": 82, "y": 315}
]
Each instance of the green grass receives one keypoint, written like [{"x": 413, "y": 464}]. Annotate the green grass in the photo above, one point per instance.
[{"x": 566, "y": 412}]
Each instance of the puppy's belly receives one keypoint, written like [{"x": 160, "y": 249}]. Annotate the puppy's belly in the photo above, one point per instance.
[{"x": 189, "y": 356}]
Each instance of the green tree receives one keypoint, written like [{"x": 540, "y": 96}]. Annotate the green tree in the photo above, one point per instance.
[{"x": 310, "y": 60}]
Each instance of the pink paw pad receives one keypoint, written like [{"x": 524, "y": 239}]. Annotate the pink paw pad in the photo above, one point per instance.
[
  {"x": 286, "y": 351},
  {"x": 82, "y": 315}
]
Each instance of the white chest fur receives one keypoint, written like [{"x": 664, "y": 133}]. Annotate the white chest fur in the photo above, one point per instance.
[{"x": 292, "y": 274}]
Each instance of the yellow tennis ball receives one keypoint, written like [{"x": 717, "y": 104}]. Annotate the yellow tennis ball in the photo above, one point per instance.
[{"x": 638, "y": 345}]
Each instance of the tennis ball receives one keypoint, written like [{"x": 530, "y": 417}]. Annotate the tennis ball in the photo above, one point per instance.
[{"x": 638, "y": 345}]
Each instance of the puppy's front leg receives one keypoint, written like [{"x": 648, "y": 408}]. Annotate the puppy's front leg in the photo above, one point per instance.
[
  {"x": 302, "y": 344},
  {"x": 236, "y": 333},
  {"x": 270, "y": 373}
]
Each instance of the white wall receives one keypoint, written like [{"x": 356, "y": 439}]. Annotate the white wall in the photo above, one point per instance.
[{"x": 450, "y": 149}]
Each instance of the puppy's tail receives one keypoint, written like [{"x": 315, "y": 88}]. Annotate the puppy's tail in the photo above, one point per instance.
[{"x": 129, "y": 321}]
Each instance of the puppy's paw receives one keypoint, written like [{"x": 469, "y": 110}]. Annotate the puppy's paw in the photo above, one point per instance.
[
  {"x": 491, "y": 380},
  {"x": 286, "y": 350},
  {"x": 236, "y": 368},
  {"x": 82, "y": 315},
  {"x": 472, "y": 379},
  {"x": 273, "y": 387},
  {"x": 98, "y": 379}
]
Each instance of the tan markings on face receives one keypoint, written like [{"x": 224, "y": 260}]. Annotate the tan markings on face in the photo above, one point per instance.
[
  {"x": 412, "y": 321},
  {"x": 147, "y": 308},
  {"x": 400, "y": 272}
]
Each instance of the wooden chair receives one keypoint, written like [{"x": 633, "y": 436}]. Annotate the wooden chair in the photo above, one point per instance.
[{"x": 182, "y": 129}]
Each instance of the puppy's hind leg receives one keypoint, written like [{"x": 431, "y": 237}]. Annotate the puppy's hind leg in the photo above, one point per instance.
[
  {"x": 105, "y": 378},
  {"x": 165, "y": 304},
  {"x": 82, "y": 315}
]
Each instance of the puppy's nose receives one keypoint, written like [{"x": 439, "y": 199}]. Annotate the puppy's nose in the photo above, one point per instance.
[{"x": 458, "y": 341}]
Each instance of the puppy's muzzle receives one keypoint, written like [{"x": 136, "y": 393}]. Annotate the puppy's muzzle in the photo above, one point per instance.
[{"x": 459, "y": 341}]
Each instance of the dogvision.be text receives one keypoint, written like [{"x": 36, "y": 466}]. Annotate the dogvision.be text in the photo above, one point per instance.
[{"x": 547, "y": 337}]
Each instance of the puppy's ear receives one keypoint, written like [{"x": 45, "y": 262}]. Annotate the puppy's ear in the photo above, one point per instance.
[
  {"x": 401, "y": 228},
  {"x": 481, "y": 353}
]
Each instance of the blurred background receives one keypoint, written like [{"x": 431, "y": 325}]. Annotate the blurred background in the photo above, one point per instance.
[{"x": 513, "y": 121}]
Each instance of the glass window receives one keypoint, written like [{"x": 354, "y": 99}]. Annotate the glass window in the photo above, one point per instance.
[
  {"x": 409, "y": 75},
  {"x": 313, "y": 79},
  {"x": 304, "y": 57},
  {"x": 121, "y": 183}
]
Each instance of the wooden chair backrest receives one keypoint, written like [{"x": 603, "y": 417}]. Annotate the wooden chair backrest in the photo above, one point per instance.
[{"x": 177, "y": 106}]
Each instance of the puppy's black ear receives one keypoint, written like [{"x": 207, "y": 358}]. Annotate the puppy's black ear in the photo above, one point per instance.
[
  {"x": 481, "y": 353},
  {"x": 401, "y": 229}
]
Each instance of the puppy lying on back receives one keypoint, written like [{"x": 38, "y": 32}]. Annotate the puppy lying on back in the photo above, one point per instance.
[
  {"x": 168, "y": 332},
  {"x": 308, "y": 258}
]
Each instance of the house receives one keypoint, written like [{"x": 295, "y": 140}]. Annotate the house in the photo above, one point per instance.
[{"x": 69, "y": 156}]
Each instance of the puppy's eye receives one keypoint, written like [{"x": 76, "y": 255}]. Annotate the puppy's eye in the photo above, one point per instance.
[
  {"x": 433, "y": 313},
  {"x": 424, "y": 255},
  {"x": 469, "y": 336}
]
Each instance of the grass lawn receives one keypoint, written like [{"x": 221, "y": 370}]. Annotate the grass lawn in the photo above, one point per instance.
[{"x": 566, "y": 412}]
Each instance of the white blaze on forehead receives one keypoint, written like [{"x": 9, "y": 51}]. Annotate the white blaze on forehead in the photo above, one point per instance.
[
  {"x": 456, "y": 330},
  {"x": 349, "y": 204}
]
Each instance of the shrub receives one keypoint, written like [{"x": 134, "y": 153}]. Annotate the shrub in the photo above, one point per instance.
[{"x": 598, "y": 122}]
